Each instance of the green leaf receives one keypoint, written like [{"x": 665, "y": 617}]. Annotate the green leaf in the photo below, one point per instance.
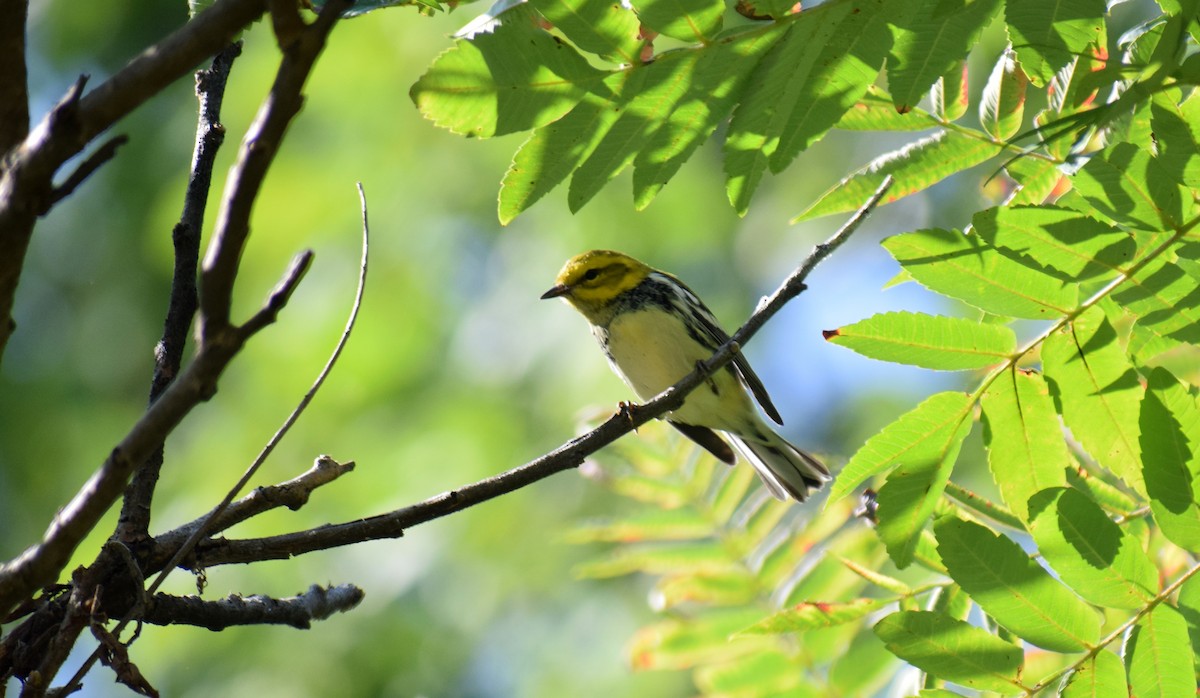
[
  {"x": 1129, "y": 186},
  {"x": 602, "y": 27},
  {"x": 1036, "y": 179},
  {"x": 953, "y": 650},
  {"x": 878, "y": 578},
  {"x": 1047, "y": 34},
  {"x": 483, "y": 87},
  {"x": 1003, "y": 105},
  {"x": 816, "y": 72},
  {"x": 929, "y": 341},
  {"x": 1170, "y": 436},
  {"x": 1014, "y": 589},
  {"x": 692, "y": 558},
  {"x": 1026, "y": 451},
  {"x": 875, "y": 112},
  {"x": 1189, "y": 607},
  {"x": 685, "y": 643},
  {"x": 864, "y": 668},
  {"x": 686, "y": 20},
  {"x": 1159, "y": 656},
  {"x": 915, "y": 167},
  {"x": 1166, "y": 301},
  {"x": 712, "y": 89},
  {"x": 912, "y": 491},
  {"x": 816, "y": 614},
  {"x": 967, "y": 268},
  {"x": 1066, "y": 243},
  {"x": 770, "y": 672},
  {"x": 646, "y": 525},
  {"x": 732, "y": 588},
  {"x": 1100, "y": 676},
  {"x": 647, "y": 100},
  {"x": 551, "y": 153},
  {"x": 1090, "y": 552},
  {"x": 950, "y": 95},
  {"x": 916, "y": 437},
  {"x": 1177, "y": 134},
  {"x": 930, "y": 42},
  {"x": 1098, "y": 393}
]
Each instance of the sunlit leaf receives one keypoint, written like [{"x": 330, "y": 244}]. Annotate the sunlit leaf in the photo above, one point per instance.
[
  {"x": 816, "y": 614},
  {"x": 864, "y": 668},
  {"x": 693, "y": 20},
  {"x": 647, "y": 99},
  {"x": 930, "y": 41},
  {"x": 1036, "y": 179},
  {"x": 646, "y": 525},
  {"x": 1166, "y": 301},
  {"x": 1098, "y": 392},
  {"x": 685, "y": 643},
  {"x": 1090, "y": 552},
  {"x": 692, "y": 558},
  {"x": 482, "y": 87},
  {"x": 912, "y": 491},
  {"x": 1003, "y": 104},
  {"x": 1170, "y": 442},
  {"x": 551, "y": 153},
  {"x": 770, "y": 672},
  {"x": 1129, "y": 186},
  {"x": 930, "y": 341},
  {"x": 1159, "y": 656},
  {"x": 1014, "y": 589},
  {"x": 953, "y": 650},
  {"x": 1047, "y": 34},
  {"x": 731, "y": 588},
  {"x": 602, "y": 27},
  {"x": 913, "y": 438},
  {"x": 1188, "y": 604},
  {"x": 1057, "y": 239},
  {"x": 1100, "y": 676},
  {"x": 1026, "y": 451},
  {"x": 950, "y": 95},
  {"x": 817, "y": 71},
  {"x": 714, "y": 86},
  {"x": 1177, "y": 134},
  {"x": 967, "y": 268},
  {"x": 875, "y": 112},
  {"x": 915, "y": 167}
]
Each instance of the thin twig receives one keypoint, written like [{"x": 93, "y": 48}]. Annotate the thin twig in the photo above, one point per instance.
[
  {"x": 133, "y": 524},
  {"x": 200, "y": 531},
  {"x": 93, "y": 162},
  {"x": 565, "y": 457}
]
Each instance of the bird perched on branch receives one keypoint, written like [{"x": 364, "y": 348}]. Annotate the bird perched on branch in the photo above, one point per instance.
[{"x": 654, "y": 331}]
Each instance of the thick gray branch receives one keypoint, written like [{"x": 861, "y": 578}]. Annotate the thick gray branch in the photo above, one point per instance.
[{"x": 318, "y": 603}]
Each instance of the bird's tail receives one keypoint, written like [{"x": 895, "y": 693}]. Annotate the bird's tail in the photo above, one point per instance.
[{"x": 783, "y": 468}]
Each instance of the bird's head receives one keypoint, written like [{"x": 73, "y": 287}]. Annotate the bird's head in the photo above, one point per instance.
[{"x": 592, "y": 280}]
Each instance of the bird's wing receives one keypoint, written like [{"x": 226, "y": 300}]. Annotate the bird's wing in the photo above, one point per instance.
[{"x": 704, "y": 317}]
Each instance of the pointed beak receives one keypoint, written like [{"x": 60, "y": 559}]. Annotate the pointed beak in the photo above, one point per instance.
[{"x": 559, "y": 290}]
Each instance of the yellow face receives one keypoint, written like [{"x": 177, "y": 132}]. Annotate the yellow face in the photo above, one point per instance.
[{"x": 593, "y": 279}]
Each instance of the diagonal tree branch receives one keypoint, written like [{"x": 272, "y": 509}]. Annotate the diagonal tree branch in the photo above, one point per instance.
[{"x": 567, "y": 456}]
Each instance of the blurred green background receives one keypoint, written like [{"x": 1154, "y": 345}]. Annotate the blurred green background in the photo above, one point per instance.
[{"x": 456, "y": 371}]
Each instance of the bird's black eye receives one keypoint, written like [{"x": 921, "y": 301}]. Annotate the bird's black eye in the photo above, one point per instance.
[{"x": 591, "y": 274}]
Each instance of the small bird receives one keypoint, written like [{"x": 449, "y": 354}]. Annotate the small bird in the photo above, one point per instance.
[{"x": 654, "y": 330}]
